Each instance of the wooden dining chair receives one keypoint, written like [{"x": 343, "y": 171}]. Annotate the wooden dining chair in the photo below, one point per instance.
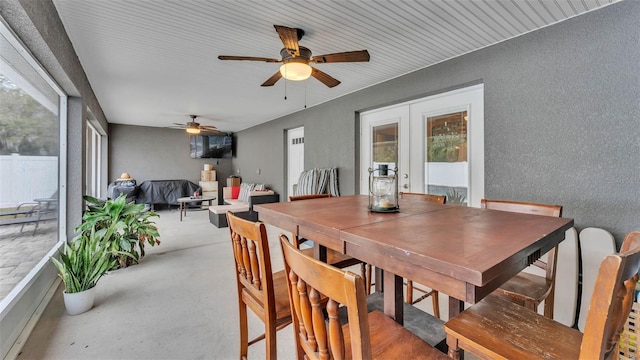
[
  {"x": 499, "y": 329},
  {"x": 438, "y": 199},
  {"x": 317, "y": 291},
  {"x": 526, "y": 288},
  {"x": 334, "y": 258},
  {"x": 259, "y": 288}
]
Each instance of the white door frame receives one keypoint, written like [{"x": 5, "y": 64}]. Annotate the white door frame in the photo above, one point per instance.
[{"x": 295, "y": 157}]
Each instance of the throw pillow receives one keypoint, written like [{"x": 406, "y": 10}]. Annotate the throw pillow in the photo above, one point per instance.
[
  {"x": 333, "y": 182},
  {"x": 245, "y": 189},
  {"x": 323, "y": 179},
  {"x": 306, "y": 182},
  {"x": 235, "y": 192}
]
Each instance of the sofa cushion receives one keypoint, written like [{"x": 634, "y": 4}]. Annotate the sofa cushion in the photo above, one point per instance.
[
  {"x": 235, "y": 202},
  {"x": 222, "y": 209}
]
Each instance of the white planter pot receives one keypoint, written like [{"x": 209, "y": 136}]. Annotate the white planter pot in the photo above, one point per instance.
[{"x": 77, "y": 303}]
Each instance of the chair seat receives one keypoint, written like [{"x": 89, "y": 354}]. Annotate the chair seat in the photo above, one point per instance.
[
  {"x": 526, "y": 286},
  {"x": 488, "y": 328},
  {"x": 335, "y": 258},
  {"x": 389, "y": 340},
  {"x": 280, "y": 284},
  {"x": 280, "y": 289}
]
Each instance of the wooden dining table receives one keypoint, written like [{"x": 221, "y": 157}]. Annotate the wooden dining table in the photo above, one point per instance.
[{"x": 460, "y": 251}]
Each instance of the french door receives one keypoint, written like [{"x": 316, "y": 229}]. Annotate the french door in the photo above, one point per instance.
[{"x": 436, "y": 143}]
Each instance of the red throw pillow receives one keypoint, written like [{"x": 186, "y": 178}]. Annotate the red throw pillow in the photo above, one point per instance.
[{"x": 235, "y": 192}]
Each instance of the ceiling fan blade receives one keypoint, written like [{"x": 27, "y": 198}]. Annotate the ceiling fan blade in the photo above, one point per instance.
[
  {"x": 324, "y": 78},
  {"x": 211, "y": 131},
  {"x": 249, "y": 58},
  {"x": 272, "y": 80},
  {"x": 178, "y": 124},
  {"x": 349, "y": 56},
  {"x": 289, "y": 37},
  {"x": 208, "y": 127}
]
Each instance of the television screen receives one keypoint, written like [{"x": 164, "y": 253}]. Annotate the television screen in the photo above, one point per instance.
[{"x": 211, "y": 146}]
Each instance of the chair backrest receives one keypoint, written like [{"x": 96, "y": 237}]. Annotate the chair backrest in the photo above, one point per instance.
[
  {"x": 253, "y": 262},
  {"x": 549, "y": 266},
  {"x": 612, "y": 301},
  {"x": 522, "y": 207},
  {"x": 307, "y": 197},
  {"x": 439, "y": 199},
  {"x": 309, "y": 278}
]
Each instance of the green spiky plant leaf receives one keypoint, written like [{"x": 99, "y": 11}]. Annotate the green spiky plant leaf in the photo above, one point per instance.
[
  {"x": 125, "y": 226},
  {"x": 83, "y": 262}
]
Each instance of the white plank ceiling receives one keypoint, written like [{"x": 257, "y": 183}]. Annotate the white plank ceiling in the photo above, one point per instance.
[{"x": 154, "y": 62}]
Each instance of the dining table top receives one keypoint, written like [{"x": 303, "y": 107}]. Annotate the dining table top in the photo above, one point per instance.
[{"x": 461, "y": 251}]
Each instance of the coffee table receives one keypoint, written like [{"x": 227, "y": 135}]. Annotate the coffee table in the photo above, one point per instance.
[{"x": 190, "y": 199}]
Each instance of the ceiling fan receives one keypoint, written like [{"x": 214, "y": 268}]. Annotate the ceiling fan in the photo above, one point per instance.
[
  {"x": 194, "y": 127},
  {"x": 296, "y": 59}
]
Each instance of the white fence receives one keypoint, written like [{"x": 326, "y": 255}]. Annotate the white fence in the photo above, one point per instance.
[{"x": 24, "y": 178}]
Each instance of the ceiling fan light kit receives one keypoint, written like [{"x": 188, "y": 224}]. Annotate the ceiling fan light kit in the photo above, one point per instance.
[
  {"x": 296, "y": 59},
  {"x": 295, "y": 71},
  {"x": 191, "y": 129}
]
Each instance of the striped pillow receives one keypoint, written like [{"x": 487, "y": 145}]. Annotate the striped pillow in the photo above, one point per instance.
[
  {"x": 323, "y": 179},
  {"x": 318, "y": 181},
  {"x": 333, "y": 182},
  {"x": 306, "y": 183},
  {"x": 245, "y": 189}
]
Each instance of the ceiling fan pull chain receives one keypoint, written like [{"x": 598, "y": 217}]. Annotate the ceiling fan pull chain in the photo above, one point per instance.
[
  {"x": 305, "y": 94},
  {"x": 285, "y": 83}
]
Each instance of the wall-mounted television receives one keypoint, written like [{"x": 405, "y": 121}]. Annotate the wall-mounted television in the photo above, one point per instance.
[{"x": 211, "y": 146}]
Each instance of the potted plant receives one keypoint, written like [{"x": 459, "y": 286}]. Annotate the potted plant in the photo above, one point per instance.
[
  {"x": 82, "y": 263},
  {"x": 126, "y": 226}
]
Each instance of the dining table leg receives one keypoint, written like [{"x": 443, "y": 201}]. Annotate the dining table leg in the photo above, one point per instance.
[
  {"x": 320, "y": 252},
  {"x": 393, "y": 297},
  {"x": 456, "y": 306},
  {"x": 379, "y": 280}
]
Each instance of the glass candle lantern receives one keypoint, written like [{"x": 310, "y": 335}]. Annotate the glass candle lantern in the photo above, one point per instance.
[{"x": 383, "y": 189}]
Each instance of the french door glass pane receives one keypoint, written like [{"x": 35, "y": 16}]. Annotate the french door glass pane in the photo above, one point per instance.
[
  {"x": 385, "y": 145},
  {"x": 447, "y": 166}
]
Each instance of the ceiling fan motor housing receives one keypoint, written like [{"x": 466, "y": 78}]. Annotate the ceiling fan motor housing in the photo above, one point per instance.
[{"x": 304, "y": 57}]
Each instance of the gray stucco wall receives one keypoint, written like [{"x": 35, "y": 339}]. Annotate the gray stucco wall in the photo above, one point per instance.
[
  {"x": 151, "y": 153},
  {"x": 562, "y": 124}
]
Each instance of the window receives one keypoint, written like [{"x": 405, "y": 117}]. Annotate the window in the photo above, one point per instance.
[
  {"x": 32, "y": 164},
  {"x": 94, "y": 155}
]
